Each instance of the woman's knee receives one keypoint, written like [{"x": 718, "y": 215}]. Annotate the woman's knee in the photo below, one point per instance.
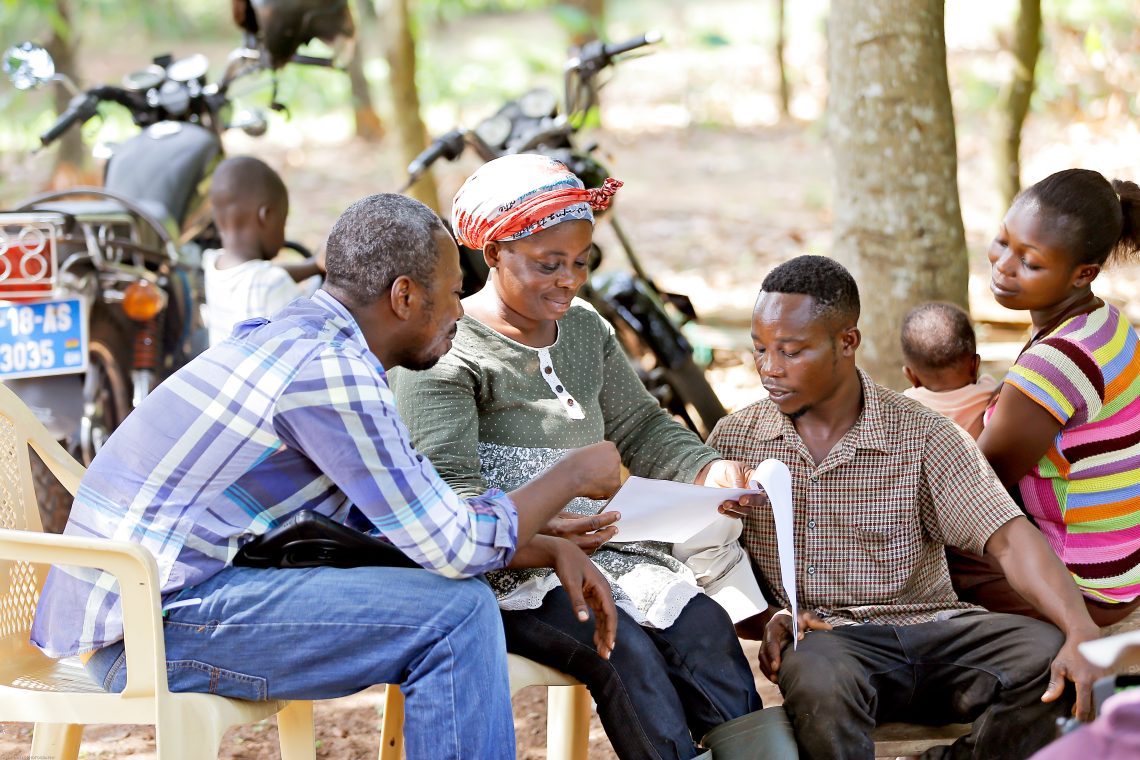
[
  {"x": 635, "y": 660},
  {"x": 703, "y": 629}
]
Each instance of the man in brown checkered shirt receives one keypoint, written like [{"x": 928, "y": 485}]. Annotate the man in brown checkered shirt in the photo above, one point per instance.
[{"x": 880, "y": 486}]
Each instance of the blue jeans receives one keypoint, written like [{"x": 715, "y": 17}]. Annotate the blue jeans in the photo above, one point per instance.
[{"x": 325, "y": 632}]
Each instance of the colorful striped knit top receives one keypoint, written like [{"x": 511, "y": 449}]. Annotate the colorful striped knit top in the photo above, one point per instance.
[{"x": 1084, "y": 494}]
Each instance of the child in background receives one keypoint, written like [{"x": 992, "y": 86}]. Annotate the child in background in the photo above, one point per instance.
[
  {"x": 250, "y": 205},
  {"x": 942, "y": 363}
]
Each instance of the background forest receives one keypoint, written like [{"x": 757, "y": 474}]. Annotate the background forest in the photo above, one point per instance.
[{"x": 728, "y": 170}]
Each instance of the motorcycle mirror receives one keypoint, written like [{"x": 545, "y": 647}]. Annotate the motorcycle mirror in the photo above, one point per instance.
[
  {"x": 28, "y": 65},
  {"x": 252, "y": 122}
]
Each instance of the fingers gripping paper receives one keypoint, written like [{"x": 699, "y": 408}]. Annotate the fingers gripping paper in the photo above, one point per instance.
[{"x": 772, "y": 475}]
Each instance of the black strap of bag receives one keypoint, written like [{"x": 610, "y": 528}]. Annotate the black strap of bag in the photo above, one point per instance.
[{"x": 310, "y": 539}]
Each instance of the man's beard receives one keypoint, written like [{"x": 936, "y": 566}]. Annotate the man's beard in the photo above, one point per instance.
[{"x": 420, "y": 364}]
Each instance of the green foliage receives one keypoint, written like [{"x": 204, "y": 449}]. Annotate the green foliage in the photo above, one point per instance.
[
  {"x": 712, "y": 39},
  {"x": 453, "y": 10},
  {"x": 1090, "y": 59},
  {"x": 574, "y": 20}
]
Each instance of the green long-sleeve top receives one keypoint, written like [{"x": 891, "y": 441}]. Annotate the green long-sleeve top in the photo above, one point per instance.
[{"x": 494, "y": 413}]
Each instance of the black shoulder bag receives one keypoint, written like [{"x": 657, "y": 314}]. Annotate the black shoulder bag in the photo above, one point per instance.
[{"x": 309, "y": 539}]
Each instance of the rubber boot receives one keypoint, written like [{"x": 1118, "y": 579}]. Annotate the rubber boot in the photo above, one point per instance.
[{"x": 764, "y": 734}]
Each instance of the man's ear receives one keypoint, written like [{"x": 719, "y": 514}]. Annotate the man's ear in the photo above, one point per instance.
[
  {"x": 491, "y": 252},
  {"x": 912, "y": 378},
  {"x": 263, "y": 212},
  {"x": 403, "y": 296},
  {"x": 1085, "y": 274},
  {"x": 849, "y": 340}
]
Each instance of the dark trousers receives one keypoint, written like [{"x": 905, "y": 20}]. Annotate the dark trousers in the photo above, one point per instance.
[
  {"x": 980, "y": 667},
  {"x": 660, "y": 690}
]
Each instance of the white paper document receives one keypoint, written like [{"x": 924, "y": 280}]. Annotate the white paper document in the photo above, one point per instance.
[
  {"x": 664, "y": 510},
  {"x": 773, "y": 476}
]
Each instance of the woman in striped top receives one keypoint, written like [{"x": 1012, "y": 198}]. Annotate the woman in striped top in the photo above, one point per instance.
[{"x": 1065, "y": 430}]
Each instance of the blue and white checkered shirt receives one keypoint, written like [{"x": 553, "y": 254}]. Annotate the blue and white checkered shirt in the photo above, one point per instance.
[{"x": 289, "y": 413}]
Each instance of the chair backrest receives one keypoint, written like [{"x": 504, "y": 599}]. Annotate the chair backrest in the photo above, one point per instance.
[{"x": 20, "y": 582}]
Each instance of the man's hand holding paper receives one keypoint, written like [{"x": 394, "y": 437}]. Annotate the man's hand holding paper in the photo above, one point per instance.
[{"x": 728, "y": 473}]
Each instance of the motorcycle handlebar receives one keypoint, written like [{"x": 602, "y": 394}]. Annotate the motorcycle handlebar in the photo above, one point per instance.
[
  {"x": 595, "y": 55},
  {"x": 448, "y": 146},
  {"x": 618, "y": 48},
  {"x": 82, "y": 107}
]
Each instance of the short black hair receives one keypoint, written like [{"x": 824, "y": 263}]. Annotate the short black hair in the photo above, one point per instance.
[
  {"x": 378, "y": 239},
  {"x": 938, "y": 335},
  {"x": 826, "y": 280},
  {"x": 245, "y": 181}
]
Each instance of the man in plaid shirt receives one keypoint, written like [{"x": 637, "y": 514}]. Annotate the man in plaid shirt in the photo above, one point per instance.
[{"x": 880, "y": 486}]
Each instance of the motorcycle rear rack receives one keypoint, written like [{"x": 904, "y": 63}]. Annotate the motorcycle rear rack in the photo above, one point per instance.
[{"x": 29, "y": 245}]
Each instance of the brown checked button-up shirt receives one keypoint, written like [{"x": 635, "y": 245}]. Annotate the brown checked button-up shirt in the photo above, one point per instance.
[{"x": 872, "y": 519}]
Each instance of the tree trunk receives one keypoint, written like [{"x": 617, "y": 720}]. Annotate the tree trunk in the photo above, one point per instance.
[
  {"x": 781, "y": 38},
  {"x": 898, "y": 223},
  {"x": 1015, "y": 96},
  {"x": 369, "y": 126},
  {"x": 71, "y": 154},
  {"x": 367, "y": 11},
  {"x": 595, "y": 13},
  {"x": 410, "y": 128}
]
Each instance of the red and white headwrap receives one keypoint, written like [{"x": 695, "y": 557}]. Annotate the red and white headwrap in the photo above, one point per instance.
[{"x": 518, "y": 195}]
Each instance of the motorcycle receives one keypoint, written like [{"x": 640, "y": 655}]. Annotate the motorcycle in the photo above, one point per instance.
[
  {"x": 101, "y": 287},
  {"x": 647, "y": 319}
]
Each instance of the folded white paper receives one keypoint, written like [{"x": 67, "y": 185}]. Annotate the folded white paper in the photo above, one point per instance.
[
  {"x": 773, "y": 476},
  {"x": 1120, "y": 651},
  {"x": 664, "y": 510}
]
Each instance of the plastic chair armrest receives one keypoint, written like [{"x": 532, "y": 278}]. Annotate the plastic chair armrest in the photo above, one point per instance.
[
  {"x": 61, "y": 464},
  {"x": 137, "y": 574}
]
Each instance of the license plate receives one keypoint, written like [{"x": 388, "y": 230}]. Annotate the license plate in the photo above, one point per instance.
[{"x": 43, "y": 338}]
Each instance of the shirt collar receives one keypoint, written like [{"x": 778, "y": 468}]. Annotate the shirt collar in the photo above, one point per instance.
[
  {"x": 872, "y": 429},
  {"x": 870, "y": 433},
  {"x": 328, "y": 302}
]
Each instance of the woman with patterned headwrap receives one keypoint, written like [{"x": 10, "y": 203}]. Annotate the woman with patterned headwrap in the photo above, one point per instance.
[{"x": 533, "y": 372}]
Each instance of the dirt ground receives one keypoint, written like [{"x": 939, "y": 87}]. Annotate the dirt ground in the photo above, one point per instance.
[{"x": 346, "y": 729}]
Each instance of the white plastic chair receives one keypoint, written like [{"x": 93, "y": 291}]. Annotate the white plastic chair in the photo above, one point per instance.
[
  {"x": 57, "y": 695},
  {"x": 567, "y": 711}
]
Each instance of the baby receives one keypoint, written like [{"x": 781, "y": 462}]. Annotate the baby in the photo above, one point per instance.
[{"x": 942, "y": 364}]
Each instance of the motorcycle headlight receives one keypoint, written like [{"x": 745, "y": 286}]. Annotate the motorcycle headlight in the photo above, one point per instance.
[
  {"x": 494, "y": 131},
  {"x": 538, "y": 103}
]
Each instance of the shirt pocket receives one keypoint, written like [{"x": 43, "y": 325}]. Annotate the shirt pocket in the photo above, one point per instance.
[{"x": 888, "y": 546}]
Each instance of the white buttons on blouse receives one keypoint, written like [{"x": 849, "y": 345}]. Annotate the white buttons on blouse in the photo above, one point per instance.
[{"x": 569, "y": 404}]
